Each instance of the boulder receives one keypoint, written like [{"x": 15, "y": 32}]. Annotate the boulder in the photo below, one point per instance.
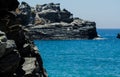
[{"x": 118, "y": 35}]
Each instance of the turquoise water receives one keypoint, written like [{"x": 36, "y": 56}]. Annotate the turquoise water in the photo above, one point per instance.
[{"x": 82, "y": 58}]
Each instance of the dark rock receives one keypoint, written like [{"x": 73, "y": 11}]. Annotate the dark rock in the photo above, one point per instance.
[
  {"x": 3, "y": 43},
  {"x": 18, "y": 53},
  {"x": 64, "y": 31},
  {"x": 66, "y": 16},
  {"x": 118, "y": 36},
  {"x": 9, "y": 56},
  {"x": 25, "y": 14},
  {"x": 52, "y": 12},
  {"x": 8, "y": 5},
  {"x": 53, "y": 23}
]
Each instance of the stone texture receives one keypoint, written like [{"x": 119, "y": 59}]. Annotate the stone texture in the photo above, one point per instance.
[
  {"x": 52, "y": 13},
  {"x": 9, "y": 56},
  {"x": 19, "y": 57},
  {"x": 63, "y": 31},
  {"x": 53, "y": 23},
  {"x": 25, "y": 13}
]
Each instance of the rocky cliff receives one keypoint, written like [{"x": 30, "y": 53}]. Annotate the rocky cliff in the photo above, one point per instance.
[
  {"x": 48, "y": 21},
  {"x": 19, "y": 57}
]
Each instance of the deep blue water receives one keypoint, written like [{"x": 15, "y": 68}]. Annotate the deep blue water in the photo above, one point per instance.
[{"x": 82, "y": 58}]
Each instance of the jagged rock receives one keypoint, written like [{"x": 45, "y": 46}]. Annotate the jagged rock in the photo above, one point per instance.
[
  {"x": 118, "y": 36},
  {"x": 66, "y": 16},
  {"x": 19, "y": 51},
  {"x": 51, "y": 6},
  {"x": 3, "y": 44},
  {"x": 53, "y": 23},
  {"x": 39, "y": 20},
  {"x": 25, "y": 14},
  {"x": 9, "y": 56},
  {"x": 51, "y": 12}
]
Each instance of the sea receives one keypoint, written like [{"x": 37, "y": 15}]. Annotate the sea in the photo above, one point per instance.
[{"x": 82, "y": 58}]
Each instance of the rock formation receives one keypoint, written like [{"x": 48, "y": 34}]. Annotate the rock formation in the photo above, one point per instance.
[
  {"x": 52, "y": 13},
  {"x": 50, "y": 22},
  {"x": 118, "y": 36},
  {"x": 9, "y": 56},
  {"x": 19, "y": 57}
]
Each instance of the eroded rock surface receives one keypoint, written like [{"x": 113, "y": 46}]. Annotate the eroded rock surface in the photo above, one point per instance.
[
  {"x": 50, "y": 22},
  {"x": 19, "y": 57}
]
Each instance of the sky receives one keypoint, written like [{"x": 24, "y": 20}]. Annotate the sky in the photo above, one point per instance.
[{"x": 106, "y": 13}]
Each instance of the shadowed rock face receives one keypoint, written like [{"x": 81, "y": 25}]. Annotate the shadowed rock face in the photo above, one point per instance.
[
  {"x": 9, "y": 56},
  {"x": 118, "y": 36},
  {"x": 19, "y": 57},
  {"x": 25, "y": 14},
  {"x": 52, "y": 13},
  {"x": 8, "y": 4}
]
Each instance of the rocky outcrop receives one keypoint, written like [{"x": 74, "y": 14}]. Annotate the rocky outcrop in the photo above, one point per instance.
[
  {"x": 118, "y": 36},
  {"x": 25, "y": 13},
  {"x": 50, "y": 22},
  {"x": 52, "y": 13},
  {"x": 15, "y": 64},
  {"x": 19, "y": 57},
  {"x": 64, "y": 31}
]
